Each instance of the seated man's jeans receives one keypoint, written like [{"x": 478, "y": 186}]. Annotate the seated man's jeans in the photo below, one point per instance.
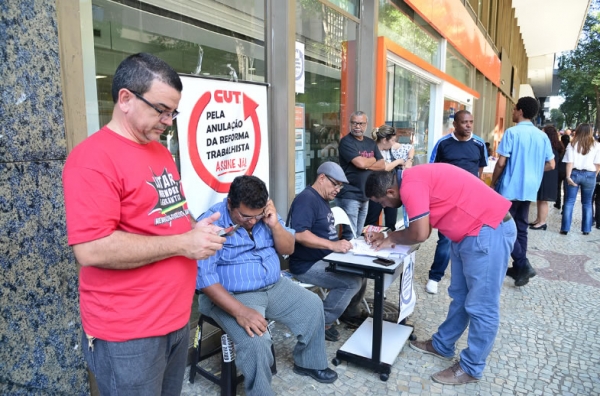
[
  {"x": 357, "y": 213},
  {"x": 285, "y": 302},
  {"x": 341, "y": 290},
  {"x": 587, "y": 182}
]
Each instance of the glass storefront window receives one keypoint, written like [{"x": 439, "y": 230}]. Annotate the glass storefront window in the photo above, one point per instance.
[
  {"x": 459, "y": 67},
  {"x": 329, "y": 40},
  {"x": 450, "y": 108},
  {"x": 205, "y": 38},
  {"x": 408, "y": 101},
  {"x": 350, "y": 6},
  {"x": 402, "y": 25}
]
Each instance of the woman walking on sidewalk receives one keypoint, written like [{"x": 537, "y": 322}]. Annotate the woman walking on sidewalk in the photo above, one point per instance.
[
  {"x": 547, "y": 191},
  {"x": 583, "y": 164}
]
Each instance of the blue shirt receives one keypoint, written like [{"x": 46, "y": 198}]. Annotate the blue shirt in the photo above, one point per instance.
[
  {"x": 311, "y": 212},
  {"x": 527, "y": 149},
  {"x": 469, "y": 155},
  {"x": 242, "y": 264}
]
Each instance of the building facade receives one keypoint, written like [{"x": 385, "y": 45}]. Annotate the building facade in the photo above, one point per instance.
[{"x": 407, "y": 63}]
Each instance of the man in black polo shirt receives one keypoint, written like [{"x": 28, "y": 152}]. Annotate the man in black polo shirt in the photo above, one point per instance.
[
  {"x": 359, "y": 156},
  {"x": 467, "y": 151},
  {"x": 316, "y": 237}
]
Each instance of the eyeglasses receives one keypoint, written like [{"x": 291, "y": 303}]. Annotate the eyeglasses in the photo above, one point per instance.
[
  {"x": 358, "y": 123},
  {"x": 337, "y": 186},
  {"x": 248, "y": 218},
  {"x": 162, "y": 113}
]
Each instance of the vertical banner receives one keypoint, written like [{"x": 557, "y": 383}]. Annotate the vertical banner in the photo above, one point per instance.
[
  {"x": 299, "y": 67},
  {"x": 407, "y": 292},
  {"x": 222, "y": 134}
]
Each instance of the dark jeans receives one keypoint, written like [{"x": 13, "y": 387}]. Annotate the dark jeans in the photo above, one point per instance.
[
  {"x": 441, "y": 258},
  {"x": 390, "y": 214},
  {"x": 519, "y": 211}
]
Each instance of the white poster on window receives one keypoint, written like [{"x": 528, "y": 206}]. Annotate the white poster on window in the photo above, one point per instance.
[
  {"x": 299, "y": 67},
  {"x": 222, "y": 134}
]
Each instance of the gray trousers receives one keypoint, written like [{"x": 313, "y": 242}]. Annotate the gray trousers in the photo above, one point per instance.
[
  {"x": 299, "y": 309},
  {"x": 345, "y": 291}
]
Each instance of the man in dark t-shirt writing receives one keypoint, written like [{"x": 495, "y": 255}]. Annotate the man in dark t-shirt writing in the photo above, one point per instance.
[{"x": 359, "y": 156}]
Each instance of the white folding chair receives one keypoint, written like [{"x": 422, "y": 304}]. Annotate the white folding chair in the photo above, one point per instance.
[{"x": 341, "y": 217}]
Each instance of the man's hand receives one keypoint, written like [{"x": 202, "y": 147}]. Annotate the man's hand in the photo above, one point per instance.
[
  {"x": 373, "y": 237},
  {"x": 341, "y": 246},
  {"x": 252, "y": 321},
  {"x": 383, "y": 244},
  {"x": 270, "y": 218},
  {"x": 202, "y": 241}
]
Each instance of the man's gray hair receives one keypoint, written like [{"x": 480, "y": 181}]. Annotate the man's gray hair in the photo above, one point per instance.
[{"x": 359, "y": 114}]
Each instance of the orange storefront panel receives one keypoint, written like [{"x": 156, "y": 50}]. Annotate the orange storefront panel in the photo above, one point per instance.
[
  {"x": 452, "y": 20},
  {"x": 385, "y": 45}
]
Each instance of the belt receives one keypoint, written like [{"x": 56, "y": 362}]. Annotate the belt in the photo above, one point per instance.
[
  {"x": 507, "y": 217},
  {"x": 583, "y": 170}
]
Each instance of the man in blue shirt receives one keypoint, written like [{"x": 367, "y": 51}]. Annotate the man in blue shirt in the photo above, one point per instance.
[
  {"x": 241, "y": 285},
  {"x": 467, "y": 151},
  {"x": 316, "y": 237},
  {"x": 524, "y": 154}
]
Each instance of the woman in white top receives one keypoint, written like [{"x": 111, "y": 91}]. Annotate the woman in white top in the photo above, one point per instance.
[
  {"x": 583, "y": 163},
  {"x": 385, "y": 137}
]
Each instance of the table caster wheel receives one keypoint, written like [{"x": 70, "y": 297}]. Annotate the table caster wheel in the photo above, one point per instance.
[
  {"x": 384, "y": 377},
  {"x": 335, "y": 361},
  {"x": 412, "y": 337}
]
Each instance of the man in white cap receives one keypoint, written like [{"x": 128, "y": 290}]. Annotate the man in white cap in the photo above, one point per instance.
[{"x": 316, "y": 237}]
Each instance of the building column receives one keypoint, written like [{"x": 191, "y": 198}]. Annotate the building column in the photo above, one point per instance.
[{"x": 280, "y": 33}]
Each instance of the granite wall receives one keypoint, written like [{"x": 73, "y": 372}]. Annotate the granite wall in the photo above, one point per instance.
[{"x": 39, "y": 322}]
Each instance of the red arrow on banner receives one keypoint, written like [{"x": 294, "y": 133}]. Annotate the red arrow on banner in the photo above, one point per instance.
[{"x": 249, "y": 109}]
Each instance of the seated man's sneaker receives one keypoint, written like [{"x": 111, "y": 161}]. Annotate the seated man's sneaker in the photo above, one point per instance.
[
  {"x": 331, "y": 334},
  {"x": 453, "y": 376},
  {"x": 431, "y": 287},
  {"x": 326, "y": 376},
  {"x": 427, "y": 347}
]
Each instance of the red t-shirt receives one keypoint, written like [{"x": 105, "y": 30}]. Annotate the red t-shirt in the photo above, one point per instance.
[
  {"x": 458, "y": 203},
  {"x": 112, "y": 183}
]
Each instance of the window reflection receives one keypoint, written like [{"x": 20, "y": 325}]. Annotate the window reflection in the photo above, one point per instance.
[
  {"x": 458, "y": 67},
  {"x": 399, "y": 22},
  {"x": 408, "y": 107},
  {"x": 329, "y": 40},
  {"x": 203, "y": 37}
]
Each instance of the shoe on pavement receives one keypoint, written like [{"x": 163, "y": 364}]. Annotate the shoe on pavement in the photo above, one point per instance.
[
  {"x": 326, "y": 376},
  {"x": 331, "y": 334},
  {"x": 427, "y": 347},
  {"x": 512, "y": 272},
  {"x": 454, "y": 375},
  {"x": 353, "y": 322},
  {"x": 525, "y": 274},
  {"x": 431, "y": 287}
]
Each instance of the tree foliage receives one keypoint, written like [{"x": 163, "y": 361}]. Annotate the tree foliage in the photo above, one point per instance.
[
  {"x": 579, "y": 71},
  {"x": 557, "y": 118}
]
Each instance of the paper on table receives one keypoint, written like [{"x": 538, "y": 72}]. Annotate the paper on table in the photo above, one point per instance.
[{"x": 361, "y": 248}]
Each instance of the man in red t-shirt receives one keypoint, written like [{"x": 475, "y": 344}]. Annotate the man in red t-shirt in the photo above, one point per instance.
[
  {"x": 128, "y": 223},
  {"x": 476, "y": 219}
]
